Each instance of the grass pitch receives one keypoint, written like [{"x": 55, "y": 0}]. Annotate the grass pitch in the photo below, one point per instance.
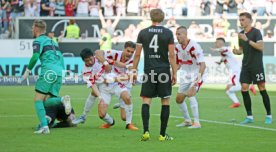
[{"x": 220, "y": 125}]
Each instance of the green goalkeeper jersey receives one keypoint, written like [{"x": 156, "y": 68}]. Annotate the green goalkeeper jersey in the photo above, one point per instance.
[{"x": 49, "y": 54}]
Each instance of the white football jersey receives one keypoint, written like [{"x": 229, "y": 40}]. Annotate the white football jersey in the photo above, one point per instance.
[
  {"x": 229, "y": 59},
  {"x": 117, "y": 56},
  {"x": 93, "y": 73},
  {"x": 189, "y": 57}
]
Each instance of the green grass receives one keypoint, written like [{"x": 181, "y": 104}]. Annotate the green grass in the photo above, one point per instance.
[{"x": 17, "y": 120}]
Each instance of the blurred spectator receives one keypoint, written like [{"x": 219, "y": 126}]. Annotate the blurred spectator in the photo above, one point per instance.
[
  {"x": 107, "y": 24},
  {"x": 133, "y": 7},
  {"x": 207, "y": 8},
  {"x": 72, "y": 30},
  {"x": 106, "y": 40},
  {"x": 234, "y": 40},
  {"x": 259, "y": 25},
  {"x": 30, "y": 8},
  {"x": 121, "y": 7},
  {"x": 108, "y": 7},
  {"x": 94, "y": 7},
  {"x": 60, "y": 8},
  {"x": 193, "y": 8},
  {"x": 4, "y": 21},
  {"x": 144, "y": 8},
  {"x": 38, "y": 3},
  {"x": 70, "y": 5},
  {"x": 221, "y": 7},
  {"x": 52, "y": 5},
  {"x": 82, "y": 8},
  {"x": 130, "y": 33},
  {"x": 220, "y": 27},
  {"x": 45, "y": 8},
  {"x": 180, "y": 8},
  {"x": 232, "y": 6},
  {"x": 271, "y": 7},
  {"x": 259, "y": 6},
  {"x": 269, "y": 35},
  {"x": 146, "y": 22},
  {"x": 153, "y": 4},
  {"x": 194, "y": 30}
]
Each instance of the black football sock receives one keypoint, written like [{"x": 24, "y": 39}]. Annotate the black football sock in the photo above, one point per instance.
[
  {"x": 266, "y": 101},
  {"x": 247, "y": 102},
  {"x": 165, "y": 113},
  {"x": 145, "y": 116}
]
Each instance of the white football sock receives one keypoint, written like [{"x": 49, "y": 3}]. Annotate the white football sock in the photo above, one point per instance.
[
  {"x": 250, "y": 117},
  {"x": 128, "y": 110},
  {"x": 184, "y": 110},
  {"x": 269, "y": 116},
  {"x": 88, "y": 104},
  {"x": 232, "y": 96},
  {"x": 194, "y": 107},
  {"x": 108, "y": 119}
]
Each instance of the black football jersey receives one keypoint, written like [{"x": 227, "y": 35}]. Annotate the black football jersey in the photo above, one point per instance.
[
  {"x": 155, "y": 41},
  {"x": 252, "y": 58}
]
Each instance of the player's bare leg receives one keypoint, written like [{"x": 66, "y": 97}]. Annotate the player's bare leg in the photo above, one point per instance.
[
  {"x": 230, "y": 91},
  {"x": 266, "y": 101},
  {"x": 102, "y": 111}
]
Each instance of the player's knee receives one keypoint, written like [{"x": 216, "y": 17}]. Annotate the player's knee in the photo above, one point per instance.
[
  {"x": 101, "y": 115},
  {"x": 123, "y": 118},
  {"x": 179, "y": 100}
]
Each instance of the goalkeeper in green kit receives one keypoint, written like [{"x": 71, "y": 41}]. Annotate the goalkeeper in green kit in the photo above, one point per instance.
[{"x": 50, "y": 78}]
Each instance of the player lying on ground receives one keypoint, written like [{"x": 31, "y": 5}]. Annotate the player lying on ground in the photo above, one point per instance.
[
  {"x": 190, "y": 58},
  {"x": 234, "y": 67},
  {"x": 50, "y": 79},
  {"x": 57, "y": 113},
  {"x": 91, "y": 69}
]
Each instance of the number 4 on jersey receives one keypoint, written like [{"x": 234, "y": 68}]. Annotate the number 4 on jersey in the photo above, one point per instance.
[{"x": 154, "y": 43}]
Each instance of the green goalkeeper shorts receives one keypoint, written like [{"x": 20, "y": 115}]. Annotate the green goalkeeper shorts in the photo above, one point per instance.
[{"x": 48, "y": 85}]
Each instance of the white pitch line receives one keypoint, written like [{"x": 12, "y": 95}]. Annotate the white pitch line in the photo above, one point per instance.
[{"x": 226, "y": 123}]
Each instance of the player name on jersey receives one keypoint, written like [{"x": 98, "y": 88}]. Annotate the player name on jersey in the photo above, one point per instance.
[{"x": 154, "y": 30}]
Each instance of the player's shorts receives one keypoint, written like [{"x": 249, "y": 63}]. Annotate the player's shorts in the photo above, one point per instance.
[
  {"x": 184, "y": 87},
  {"x": 157, "y": 85},
  {"x": 57, "y": 112},
  {"x": 254, "y": 76},
  {"x": 46, "y": 85},
  {"x": 107, "y": 92}
]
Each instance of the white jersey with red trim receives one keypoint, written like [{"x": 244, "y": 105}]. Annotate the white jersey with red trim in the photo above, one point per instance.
[
  {"x": 117, "y": 56},
  {"x": 229, "y": 59},
  {"x": 189, "y": 58},
  {"x": 93, "y": 73}
]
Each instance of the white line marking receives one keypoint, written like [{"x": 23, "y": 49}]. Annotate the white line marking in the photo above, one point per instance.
[{"x": 226, "y": 123}]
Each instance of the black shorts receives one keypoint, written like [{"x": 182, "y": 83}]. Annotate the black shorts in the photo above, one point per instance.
[
  {"x": 250, "y": 76},
  {"x": 157, "y": 85},
  {"x": 57, "y": 112}
]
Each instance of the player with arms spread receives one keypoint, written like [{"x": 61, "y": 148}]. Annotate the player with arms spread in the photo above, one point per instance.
[{"x": 158, "y": 45}]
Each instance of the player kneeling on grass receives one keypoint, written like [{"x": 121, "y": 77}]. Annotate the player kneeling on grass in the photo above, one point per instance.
[
  {"x": 95, "y": 70},
  {"x": 50, "y": 79},
  {"x": 190, "y": 58},
  {"x": 227, "y": 57}
]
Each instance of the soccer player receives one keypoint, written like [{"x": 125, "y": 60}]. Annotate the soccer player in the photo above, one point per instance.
[
  {"x": 190, "y": 58},
  {"x": 50, "y": 79},
  {"x": 122, "y": 56},
  {"x": 251, "y": 45},
  {"x": 158, "y": 45},
  {"x": 227, "y": 57}
]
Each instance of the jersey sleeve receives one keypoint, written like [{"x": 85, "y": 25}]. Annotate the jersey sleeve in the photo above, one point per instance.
[
  {"x": 171, "y": 38},
  {"x": 37, "y": 47},
  {"x": 258, "y": 36},
  {"x": 199, "y": 54},
  {"x": 110, "y": 54},
  {"x": 139, "y": 38}
]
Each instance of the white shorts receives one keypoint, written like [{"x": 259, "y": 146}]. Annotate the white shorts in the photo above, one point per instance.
[
  {"x": 184, "y": 87},
  {"x": 107, "y": 92}
]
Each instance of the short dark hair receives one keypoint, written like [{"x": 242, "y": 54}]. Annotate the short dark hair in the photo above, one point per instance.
[
  {"x": 221, "y": 38},
  {"x": 246, "y": 14},
  {"x": 182, "y": 27},
  {"x": 157, "y": 15},
  {"x": 86, "y": 53},
  {"x": 129, "y": 44}
]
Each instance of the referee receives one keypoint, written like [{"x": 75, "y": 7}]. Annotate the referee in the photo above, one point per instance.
[{"x": 251, "y": 45}]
